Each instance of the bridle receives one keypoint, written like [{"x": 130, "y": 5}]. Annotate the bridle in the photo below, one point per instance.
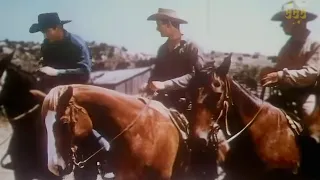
[
  {"x": 81, "y": 163},
  {"x": 214, "y": 127}
]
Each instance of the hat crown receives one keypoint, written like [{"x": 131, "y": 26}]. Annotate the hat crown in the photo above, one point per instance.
[
  {"x": 168, "y": 12},
  {"x": 48, "y": 17},
  {"x": 294, "y": 5}
]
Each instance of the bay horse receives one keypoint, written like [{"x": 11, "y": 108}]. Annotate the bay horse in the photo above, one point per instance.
[
  {"x": 144, "y": 141},
  {"x": 266, "y": 142}
]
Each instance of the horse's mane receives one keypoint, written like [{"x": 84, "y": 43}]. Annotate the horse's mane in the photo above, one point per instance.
[{"x": 53, "y": 96}]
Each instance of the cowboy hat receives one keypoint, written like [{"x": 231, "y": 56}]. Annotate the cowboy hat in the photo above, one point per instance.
[
  {"x": 166, "y": 14},
  {"x": 290, "y": 6},
  {"x": 45, "y": 21}
]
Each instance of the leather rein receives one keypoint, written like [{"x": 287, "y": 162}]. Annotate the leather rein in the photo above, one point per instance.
[{"x": 226, "y": 104}]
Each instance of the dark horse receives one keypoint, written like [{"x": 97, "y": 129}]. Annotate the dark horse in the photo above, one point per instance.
[
  {"x": 145, "y": 143},
  {"x": 23, "y": 109},
  {"x": 266, "y": 146},
  {"x": 23, "y": 112}
]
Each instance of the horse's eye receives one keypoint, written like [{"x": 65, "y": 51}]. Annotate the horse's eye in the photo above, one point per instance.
[
  {"x": 64, "y": 120},
  {"x": 216, "y": 84}
]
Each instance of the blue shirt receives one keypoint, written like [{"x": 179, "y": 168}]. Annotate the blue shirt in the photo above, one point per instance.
[{"x": 71, "y": 56}]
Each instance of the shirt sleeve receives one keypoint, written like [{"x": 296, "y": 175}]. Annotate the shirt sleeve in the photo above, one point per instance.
[
  {"x": 305, "y": 76},
  {"x": 179, "y": 82},
  {"x": 84, "y": 59},
  {"x": 155, "y": 71},
  {"x": 197, "y": 62}
]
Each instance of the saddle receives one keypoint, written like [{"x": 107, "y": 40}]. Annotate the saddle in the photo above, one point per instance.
[
  {"x": 290, "y": 109},
  {"x": 294, "y": 122},
  {"x": 178, "y": 119}
]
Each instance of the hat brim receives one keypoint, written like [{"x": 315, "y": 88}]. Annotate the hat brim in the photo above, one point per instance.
[
  {"x": 157, "y": 16},
  {"x": 281, "y": 16},
  {"x": 37, "y": 28}
]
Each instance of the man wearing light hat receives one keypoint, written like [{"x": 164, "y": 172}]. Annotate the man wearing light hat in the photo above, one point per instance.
[
  {"x": 176, "y": 58},
  {"x": 298, "y": 66}
]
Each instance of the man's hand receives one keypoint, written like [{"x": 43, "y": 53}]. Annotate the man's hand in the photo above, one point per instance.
[
  {"x": 266, "y": 70},
  {"x": 49, "y": 71},
  {"x": 143, "y": 88},
  {"x": 270, "y": 79},
  {"x": 156, "y": 85}
]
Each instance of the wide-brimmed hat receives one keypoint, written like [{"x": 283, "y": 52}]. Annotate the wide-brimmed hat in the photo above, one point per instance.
[
  {"x": 167, "y": 14},
  {"x": 45, "y": 21},
  {"x": 294, "y": 10}
]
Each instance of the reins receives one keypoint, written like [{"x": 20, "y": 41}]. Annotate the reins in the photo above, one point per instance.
[
  {"x": 80, "y": 164},
  {"x": 226, "y": 108}
]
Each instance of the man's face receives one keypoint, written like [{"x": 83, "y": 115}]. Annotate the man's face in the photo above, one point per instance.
[
  {"x": 163, "y": 28},
  {"x": 51, "y": 34},
  {"x": 288, "y": 26}
]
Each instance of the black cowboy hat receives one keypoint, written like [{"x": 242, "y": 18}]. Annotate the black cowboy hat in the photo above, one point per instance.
[{"x": 45, "y": 21}]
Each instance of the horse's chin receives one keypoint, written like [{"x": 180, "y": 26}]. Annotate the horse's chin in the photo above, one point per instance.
[{"x": 69, "y": 168}]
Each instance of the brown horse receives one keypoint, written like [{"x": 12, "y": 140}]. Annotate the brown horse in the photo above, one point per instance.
[
  {"x": 144, "y": 141},
  {"x": 273, "y": 141}
]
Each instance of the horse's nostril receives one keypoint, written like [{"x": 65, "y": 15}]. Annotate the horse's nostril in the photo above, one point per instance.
[
  {"x": 203, "y": 142},
  {"x": 59, "y": 169}
]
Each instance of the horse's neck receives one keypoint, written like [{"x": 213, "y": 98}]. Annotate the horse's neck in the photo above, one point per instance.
[
  {"x": 247, "y": 104},
  {"x": 111, "y": 109}
]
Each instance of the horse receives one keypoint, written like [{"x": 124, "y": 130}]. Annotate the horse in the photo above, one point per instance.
[
  {"x": 145, "y": 143},
  {"x": 266, "y": 144},
  {"x": 23, "y": 110}
]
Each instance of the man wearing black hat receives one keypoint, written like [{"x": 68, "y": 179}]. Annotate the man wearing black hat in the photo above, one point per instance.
[
  {"x": 66, "y": 57},
  {"x": 66, "y": 60}
]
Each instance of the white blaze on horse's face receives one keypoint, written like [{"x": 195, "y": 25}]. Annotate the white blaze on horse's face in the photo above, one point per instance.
[{"x": 54, "y": 158}]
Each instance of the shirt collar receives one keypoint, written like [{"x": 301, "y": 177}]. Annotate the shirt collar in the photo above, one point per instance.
[
  {"x": 183, "y": 39},
  {"x": 301, "y": 36}
]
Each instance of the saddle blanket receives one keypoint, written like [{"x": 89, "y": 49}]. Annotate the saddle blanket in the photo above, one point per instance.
[{"x": 178, "y": 119}]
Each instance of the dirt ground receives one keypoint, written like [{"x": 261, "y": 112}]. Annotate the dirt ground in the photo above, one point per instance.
[{"x": 5, "y": 135}]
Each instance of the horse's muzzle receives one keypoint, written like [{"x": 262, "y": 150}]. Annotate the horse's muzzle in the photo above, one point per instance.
[{"x": 58, "y": 167}]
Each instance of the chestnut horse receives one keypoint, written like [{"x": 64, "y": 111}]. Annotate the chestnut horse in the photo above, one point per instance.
[
  {"x": 271, "y": 141},
  {"x": 144, "y": 141}
]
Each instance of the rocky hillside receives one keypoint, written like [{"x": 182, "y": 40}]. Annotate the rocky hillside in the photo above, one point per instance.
[
  {"x": 245, "y": 67},
  {"x": 105, "y": 56}
]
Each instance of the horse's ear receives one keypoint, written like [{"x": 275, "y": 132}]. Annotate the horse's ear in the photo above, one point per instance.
[
  {"x": 38, "y": 94},
  {"x": 7, "y": 58},
  {"x": 224, "y": 67},
  {"x": 66, "y": 96}
]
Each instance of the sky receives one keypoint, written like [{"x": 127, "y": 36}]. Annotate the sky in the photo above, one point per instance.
[{"x": 221, "y": 25}]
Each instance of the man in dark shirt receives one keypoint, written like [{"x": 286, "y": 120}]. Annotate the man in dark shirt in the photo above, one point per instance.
[
  {"x": 176, "y": 57},
  {"x": 66, "y": 57},
  {"x": 66, "y": 60}
]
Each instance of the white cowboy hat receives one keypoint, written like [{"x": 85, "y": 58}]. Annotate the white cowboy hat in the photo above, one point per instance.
[
  {"x": 292, "y": 5},
  {"x": 166, "y": 14}
]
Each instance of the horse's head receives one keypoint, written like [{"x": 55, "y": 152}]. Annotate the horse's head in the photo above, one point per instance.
[
  {"x": 4, "y": 62},
  {"x": 209, "y": 93},
  {"x": 65, "y": 127}
]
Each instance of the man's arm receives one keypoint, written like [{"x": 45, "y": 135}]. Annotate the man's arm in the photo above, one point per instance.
[
  {"x": 178, "y": 83},
  {"x": 197, "y": 62},
  {"x": 84, "y": 59},
  {"x": 305, "y": 76}
]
